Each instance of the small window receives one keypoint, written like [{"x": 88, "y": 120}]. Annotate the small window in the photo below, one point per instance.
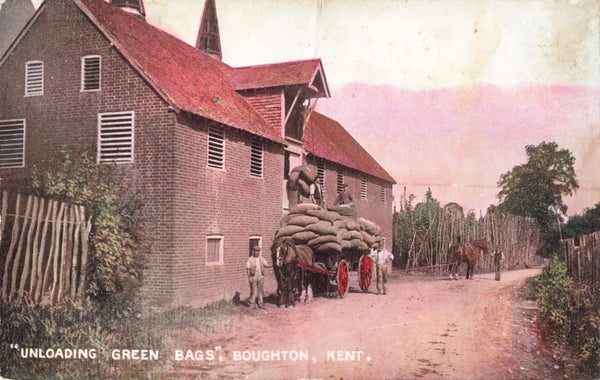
[
  {"x": 12, "y": 143},
  {"x": 363, "y": 189},
  {"x": 214, "y": 250},
  {"x": 115, "y": 137},
  {"x": 34, "y": 78},
  {"x": 340, "y": 180},
  {"x": 256, "y": 158},
  {"x": 254, "y": 241},
  {"x": 90, "y": 73},
  {"x": 216, "y": 148},
  {"x": 382, "y": 196}
]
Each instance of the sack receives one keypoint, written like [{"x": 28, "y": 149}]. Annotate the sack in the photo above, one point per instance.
[
  {"x": 302, "y": 220},
  {"x": 347, "y": 210},
  {"x": 369, "y": 226},
  {"x": 339, "y": 224},
  {"x": 288, "y": 231},
  {"x": 322, "y": 227},
  {"x": 324, "y": 215},
  {"x": 367, "y": 238},
  {"x": 318, "y": 241},
  {"x": 302, "y": 208},
  {"x": 329, "y": 248},
  {"x": 343, "y": 234},
  {"x": 356, "y": 235},
  {"x": 303, "y": 236},
  {"x": 352, "y": 225}
]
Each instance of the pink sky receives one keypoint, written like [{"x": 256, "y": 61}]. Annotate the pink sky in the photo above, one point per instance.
[
  {"x": 444, "y": 94},
  {"x": 460, "y": 140}
]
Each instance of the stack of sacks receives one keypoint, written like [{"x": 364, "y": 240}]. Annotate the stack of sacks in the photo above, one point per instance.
[{"x": 327, "y": 230}]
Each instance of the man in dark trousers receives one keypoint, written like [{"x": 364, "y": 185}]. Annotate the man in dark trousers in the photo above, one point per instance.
[{"x": 344, "y": 197}]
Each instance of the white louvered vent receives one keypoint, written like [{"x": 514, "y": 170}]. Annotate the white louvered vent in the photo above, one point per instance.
[
  {"x": 383, "y": 195},
  {"x": 34, "y": 78},
  {"x": 340, "y": 180},
  {"x": 321, "y": 176},
  {"x": 256, "y": 158},
  {"x": 12, "y": 143},
  {"x": 115, "y": 137},
  {"x": 216, "y": 148},
  {"x": 363, "y": 189}
]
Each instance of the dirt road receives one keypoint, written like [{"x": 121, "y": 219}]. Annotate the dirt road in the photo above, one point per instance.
[{"x": 423, "y": 328}]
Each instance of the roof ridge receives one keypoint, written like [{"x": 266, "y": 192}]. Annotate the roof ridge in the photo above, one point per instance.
[{"x": 277, "y": 63}]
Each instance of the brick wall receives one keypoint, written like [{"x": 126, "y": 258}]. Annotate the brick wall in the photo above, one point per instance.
[
  {"x": 64, "y": 115},
  {"x": 227, "y": 202},
  {"x": 184, "y": 200}
]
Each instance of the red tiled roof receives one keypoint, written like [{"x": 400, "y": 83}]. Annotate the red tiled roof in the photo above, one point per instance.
[
  {"x": 188, "y": 79},
  {"x": 326, "y": 138},
  {"x": 277, "y": 74}
]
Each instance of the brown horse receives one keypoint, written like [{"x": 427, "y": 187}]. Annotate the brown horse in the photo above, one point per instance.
[
  {"x": 466, "y": 253},
  {"x": 290, "y": 278}
]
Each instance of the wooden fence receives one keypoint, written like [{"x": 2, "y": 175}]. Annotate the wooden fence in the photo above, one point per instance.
[
  {"x": 43, "y": 249},
  {"x": 583, "y": 260},
  {"x": 517, "y": 237}
]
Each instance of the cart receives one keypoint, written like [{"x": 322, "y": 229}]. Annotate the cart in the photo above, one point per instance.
[{"x": 333, "y": 269}]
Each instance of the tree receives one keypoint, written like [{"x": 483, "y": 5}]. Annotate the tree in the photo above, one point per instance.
[
  {"x": 535, "y": 189},
  {"x": 586, "y": 222}
]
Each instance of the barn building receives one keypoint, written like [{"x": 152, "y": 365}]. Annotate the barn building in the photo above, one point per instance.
[{"x": 207, "y": 146}]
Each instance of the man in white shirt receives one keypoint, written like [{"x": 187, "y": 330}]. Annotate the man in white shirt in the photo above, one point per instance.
[
  {"x": 254, "y": 268},
  {"x": 381, "y": 257}
]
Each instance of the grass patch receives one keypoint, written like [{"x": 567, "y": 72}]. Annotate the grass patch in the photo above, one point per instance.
[{"x": 82, "y": 325}]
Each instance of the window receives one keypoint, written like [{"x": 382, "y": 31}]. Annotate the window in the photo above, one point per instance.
[
  {"x": 115, "y": 137},
  {"x": 34, "y": 78},
  {"x": 253, "y": 242},
  {"x": 90, "y": 73},
  {"x": 340, "y": 180},
  {"x": 216, "y": 148},
  {"x": 256, "y": 158},
  {"x": 382, "y": 195},
  {"x": 363, "y": 189},
  {"x": 214, "y": 250},
  {"x": 12, "y": 143}
]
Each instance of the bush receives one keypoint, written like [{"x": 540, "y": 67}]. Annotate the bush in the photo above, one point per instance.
[
  {"x": 572, "y": 311},
  {"x": 115, "y": 267}
]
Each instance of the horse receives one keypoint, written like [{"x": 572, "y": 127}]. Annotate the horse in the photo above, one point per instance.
[
  {"x": 290, "y": 278},
  {"x": 466, "y": 253}
]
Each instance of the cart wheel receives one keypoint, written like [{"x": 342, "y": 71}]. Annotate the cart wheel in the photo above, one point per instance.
[
  {"x": 342, "y": 278},
  {"x": 365, "y": 272}
]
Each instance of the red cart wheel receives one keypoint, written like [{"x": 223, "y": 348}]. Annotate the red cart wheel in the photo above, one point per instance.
[
  {"x": 342, "y": 278},
  {"x": 365, "y": 272}
]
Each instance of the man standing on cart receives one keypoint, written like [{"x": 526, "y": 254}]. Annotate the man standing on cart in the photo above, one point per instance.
[
  {"x": 381, "y": 256},
  {"x": 344, "y": 198}
]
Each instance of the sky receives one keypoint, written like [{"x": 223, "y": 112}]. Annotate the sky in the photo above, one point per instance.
[{"x": 443, "y": 94}]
